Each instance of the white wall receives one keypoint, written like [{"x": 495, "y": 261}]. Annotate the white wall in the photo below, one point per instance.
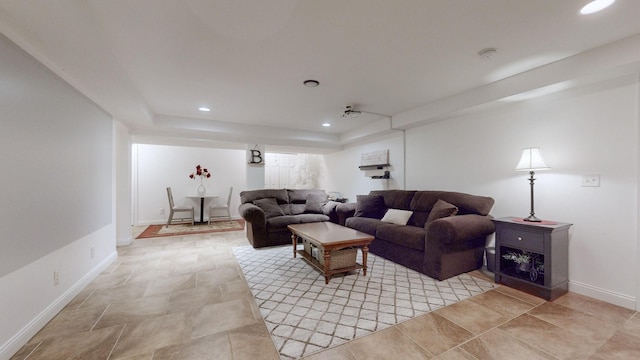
[
  {"x": 345, "y": 177},
  {"x": 56, "y": 204},
  {"x": 585, "y": 131},
  {"x": 590, "y": 130},
  {"x": 157, "y": 167}
]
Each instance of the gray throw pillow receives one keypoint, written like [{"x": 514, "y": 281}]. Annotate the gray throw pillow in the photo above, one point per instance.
[
  {"x": 314, "y": 203},
  {"x": 441, "y": 209},
  {"x": 270, "y": 207},
  {"x": 371, "y": 206}
]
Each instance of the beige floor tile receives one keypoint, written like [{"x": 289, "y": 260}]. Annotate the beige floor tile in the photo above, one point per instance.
[
  {"x": 111, "y": 280},
  {"x": 472, "y": 316},
  {"x": 215, "y": 346},
  {"x": 195, "y": 266},
  {"x": 170, "y": 284},
  {"x": 148, "y": 274},
  {"x": 503, "y": 304},
  {"x": 554, "y": 340},
  {"x": 386, "y": 344},
  {"x": 218, "y": 277},
  {"x": 79, "y": 299},
  {"x": 94, "y": 345},
  {"x": 133, "y": 310},
  {"x": 25, "y": 351},
  {"x": 147, "y": 356},
  {"x": 252, "y": 342},
  {"x": 225, "y": 316},
  {"x": 604, "y": 311},
  {"x": 70, "y": 322},
  {"x": 147, "y": 335},
  {"x": 498, "y": 345},
  {"x": 575, "y": 321},
  {"x": 209, "y": 309},
  {"x": 632, "y": 326},
  {"x": 621, "y": 346},
  {"x": 236, "y": 289},
  {"x": 534, "y": 300},
  {"x": 195, "y": 298},
  {"x": 456, "y": 354},
  {"x": 434, "y": 332},
  {"x": 337, "y": 353}
]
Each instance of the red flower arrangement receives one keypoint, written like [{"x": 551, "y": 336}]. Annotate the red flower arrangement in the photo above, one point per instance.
[{"x": 200, "y": 171}]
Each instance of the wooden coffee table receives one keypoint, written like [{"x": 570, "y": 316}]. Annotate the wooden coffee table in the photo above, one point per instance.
[{"x": 330, "y": 237}]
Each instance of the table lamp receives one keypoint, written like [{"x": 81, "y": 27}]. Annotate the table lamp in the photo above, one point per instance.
[{"x": 531, "y": 161}]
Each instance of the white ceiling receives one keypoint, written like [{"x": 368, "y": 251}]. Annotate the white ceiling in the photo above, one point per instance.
[{"x": 152, "y": 63}]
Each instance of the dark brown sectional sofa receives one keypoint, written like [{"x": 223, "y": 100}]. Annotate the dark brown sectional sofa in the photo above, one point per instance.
[
  {"x": 267, "y": 212},
  {"x": 444, "y": 235}
]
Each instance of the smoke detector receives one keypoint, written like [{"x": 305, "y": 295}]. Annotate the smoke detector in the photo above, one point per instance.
[{"x": 488, "y": 53}]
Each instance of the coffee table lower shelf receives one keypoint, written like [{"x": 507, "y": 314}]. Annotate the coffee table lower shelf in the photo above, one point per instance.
[{"x": 320, "y": 266}]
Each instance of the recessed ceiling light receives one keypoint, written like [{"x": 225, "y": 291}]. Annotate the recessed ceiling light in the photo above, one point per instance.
[
  {"x": 595, "y": 6},
  {"x": 204, "y": 108},
  {"x": 326, "y": 124},
  {"x": 311, "y": 83}
]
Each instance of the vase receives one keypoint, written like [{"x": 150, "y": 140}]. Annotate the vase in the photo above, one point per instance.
[{"x": 201, "y": 188}]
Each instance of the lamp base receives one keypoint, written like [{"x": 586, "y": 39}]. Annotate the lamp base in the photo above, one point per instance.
[{"x": 532, "y": 218}]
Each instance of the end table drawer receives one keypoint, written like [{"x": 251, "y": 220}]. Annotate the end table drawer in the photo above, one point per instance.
[{"x": 523, "y": 239}]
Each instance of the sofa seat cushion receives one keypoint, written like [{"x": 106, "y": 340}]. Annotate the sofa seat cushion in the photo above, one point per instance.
[
  {"x": 366, "y": 225},
  {"x": 403, "y": 235},
  {"x": 309, "y": 218},
  {"x": 280, "y": 222}
]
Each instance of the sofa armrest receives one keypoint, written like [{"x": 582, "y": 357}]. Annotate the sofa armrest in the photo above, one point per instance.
[
  {"x": 329, "y": 209},
  {"x": 256, "y": 224},
  {"x": 459, "y": 228},
  {"x": 252, "y": 214},
  {"x": 345, "y": 211}
]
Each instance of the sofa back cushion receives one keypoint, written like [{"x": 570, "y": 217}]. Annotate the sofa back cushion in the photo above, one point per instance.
[
  {"x": 315, "y": 203},
  {"x": 466, "y": 203},
  {"x": 469, "y": 204},
  {"x": 396, "y": 199},
  {"x": 298, "y": 199},
  {"x": 370, "y": 206},
  {"x": 281, "y": 196},
  {"x": 270, "y": 207},
  {"x": 440, "y": 210},
  {"x": 250, "y": 196}
]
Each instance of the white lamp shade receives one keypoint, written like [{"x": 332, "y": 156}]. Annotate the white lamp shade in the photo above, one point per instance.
[{"x": 531, "y": 160}]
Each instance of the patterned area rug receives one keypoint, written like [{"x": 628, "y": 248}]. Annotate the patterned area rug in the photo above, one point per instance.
[
  {"x": 305, "y": 316},
  {"x": 187, "y": 229}
]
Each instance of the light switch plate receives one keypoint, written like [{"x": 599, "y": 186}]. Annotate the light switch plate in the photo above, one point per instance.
[{"x": 591, "y": 180}]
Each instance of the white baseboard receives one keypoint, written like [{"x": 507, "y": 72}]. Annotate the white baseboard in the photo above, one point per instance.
[
  {"x": 125, "y": 241},
  {"x": 8, "y": 349},
  {"x": 611, "y": 297}
]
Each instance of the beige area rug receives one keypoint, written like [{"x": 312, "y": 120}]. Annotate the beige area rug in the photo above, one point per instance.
[
  {"x": 304, "y": 316},
  {"x": 187, "y": 229}
]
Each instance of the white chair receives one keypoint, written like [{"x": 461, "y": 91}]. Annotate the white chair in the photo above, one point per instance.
[
  {"x": 221, "y": 208},
  {"x": 178, "y": 209}
]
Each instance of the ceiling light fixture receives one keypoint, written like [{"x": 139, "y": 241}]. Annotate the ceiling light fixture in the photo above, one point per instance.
[
  {"x": 326, "y": 124},
  {"x": 595, "y": 6},
  {"x": 350, "y": 113},
  {"x": 311, "y": 83},
  {"x": 204, "y": 108}
]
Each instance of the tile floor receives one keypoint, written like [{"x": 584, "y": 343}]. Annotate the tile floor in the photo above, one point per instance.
[{"x": 184, "y": 297}]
